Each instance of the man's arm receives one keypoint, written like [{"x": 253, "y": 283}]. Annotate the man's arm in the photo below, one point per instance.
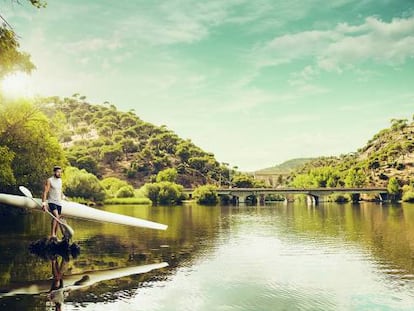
[{"x": 44, "y": 196}]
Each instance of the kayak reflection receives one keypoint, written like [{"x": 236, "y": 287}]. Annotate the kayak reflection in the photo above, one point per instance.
[
  {"x": 57, "y": 292},
  {"x": 61, "y": 284}
]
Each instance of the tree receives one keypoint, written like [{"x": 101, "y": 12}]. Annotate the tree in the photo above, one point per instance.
[
  {"x": 408, "y": 193},
  {"x": 110, "y": 154},
  {"x": 394, "y": 188},
  {"x": 198, "y": 163},
  {"x": 112, "y": 186},
  {"x": 170, "y": 193},
  {"x": 243, "y": 181},
  {"x": 183, "y": 151},
  {"x": 125, "y": 192},
  {"x": 151, "y": 191},
  {"x": 164, "y": 193},
  {"x": 398, "y": 124},
  {"x": 206, "y": 195},
  {"x": 87, "y": 163},
  {"x": 128, "y": 146},
  {"x": 355, "y": 178},
  {"x": 11, "y": 59},
  {"x": 169, "y": 174},
  {"x": 303, "y": 181},
  {"x": 81, "y": 184},
  {"x": 6, "y": 171},
  {"x": 127, "y": 121},
  {"x": 25, "y": 131}
]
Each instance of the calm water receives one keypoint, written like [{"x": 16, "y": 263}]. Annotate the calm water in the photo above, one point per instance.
[{"x": 279, "y": 257}]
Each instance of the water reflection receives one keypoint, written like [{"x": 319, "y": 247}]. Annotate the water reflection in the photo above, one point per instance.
[
  {"x": 328, "y": 257},
  {"x": 65, "y": 285},
  {"x": 58, "y": 292},
  {"x": 57, "y": 254}
]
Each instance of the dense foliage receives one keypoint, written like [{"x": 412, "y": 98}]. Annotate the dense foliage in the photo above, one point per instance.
[
  {"x": 206, "y": 195},
  {"x": 164, "y": 193},
  {"x": 81, "y": 184},
  {"x": 11, "y": 58},
  {"x": 28, "y": 148},
  {"x": 116, "y": 188},
  {"x": 169, "y": 174},
  {"x": 246, "y": 181}
]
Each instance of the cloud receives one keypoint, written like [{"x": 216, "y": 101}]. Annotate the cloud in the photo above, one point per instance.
[
  {"x": 92, "y": 44},
  {"x": 175, "y": 22},
  {"x": 345, "y": 46}
]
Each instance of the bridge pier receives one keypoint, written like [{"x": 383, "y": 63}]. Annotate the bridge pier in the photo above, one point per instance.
[
  {"x": 312, "y": 199},
  {"x": 260, "y": 199},
  {"x": 241, "y": 199},
  {"x": 383, "y": 197}
]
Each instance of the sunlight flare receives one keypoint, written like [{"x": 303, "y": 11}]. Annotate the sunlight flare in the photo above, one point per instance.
[{"x": 16, "y": 85}]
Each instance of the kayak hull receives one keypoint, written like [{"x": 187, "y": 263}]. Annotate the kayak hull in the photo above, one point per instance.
[{"x": 77, "y": 210}]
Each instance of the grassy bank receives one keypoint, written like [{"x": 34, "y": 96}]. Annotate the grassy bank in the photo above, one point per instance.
[{"x": 142, "y": 201}]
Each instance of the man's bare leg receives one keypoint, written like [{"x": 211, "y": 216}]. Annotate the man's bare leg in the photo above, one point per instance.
[{"x": 55, "y": 223}]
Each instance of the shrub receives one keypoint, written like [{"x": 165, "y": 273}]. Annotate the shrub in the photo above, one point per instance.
[
  {"x": 169, "y": 174},
  {"x": 394, "y": 188},
  {"x": 81, "y": 184},
  {"x": 206, "y": 195},
  {"x": 164, "y": 193},
  {"x": 125, "y": 192},
  {"x": 408, "y": 196},
  {"x": 112, "y": 185}
]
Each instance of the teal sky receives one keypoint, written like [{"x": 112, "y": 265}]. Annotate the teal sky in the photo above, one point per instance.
[{"x": 254, "y": 82}]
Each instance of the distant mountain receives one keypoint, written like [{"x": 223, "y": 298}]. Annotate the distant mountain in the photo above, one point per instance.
[
  {"x": 279, "y": 175},
  {"x": 108, "y": 142},
  {"x": 285, "y": 167}
]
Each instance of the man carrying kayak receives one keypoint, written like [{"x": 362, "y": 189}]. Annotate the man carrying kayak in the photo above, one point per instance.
[{"x": 53, "y": 196}]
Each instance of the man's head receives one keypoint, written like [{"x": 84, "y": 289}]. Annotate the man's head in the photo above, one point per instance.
[{"x": 57, "y": 171}]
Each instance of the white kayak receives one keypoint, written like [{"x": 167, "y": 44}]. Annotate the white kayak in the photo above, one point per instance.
[{"x": 77, "y": 210}]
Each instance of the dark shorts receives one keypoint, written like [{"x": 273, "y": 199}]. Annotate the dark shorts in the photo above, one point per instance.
[{"x": 53, "y": 206}]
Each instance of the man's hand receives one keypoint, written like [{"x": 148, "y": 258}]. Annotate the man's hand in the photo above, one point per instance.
[{"x": 44, "y": 206}]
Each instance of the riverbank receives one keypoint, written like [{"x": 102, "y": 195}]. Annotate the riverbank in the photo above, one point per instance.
[{"x": 120, "y": 201}]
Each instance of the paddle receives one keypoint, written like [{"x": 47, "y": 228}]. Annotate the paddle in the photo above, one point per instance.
[{"x": 28, "y": 194}]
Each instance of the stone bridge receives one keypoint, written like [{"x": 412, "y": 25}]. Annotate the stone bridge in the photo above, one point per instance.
[{"x": 314, "y": 195}]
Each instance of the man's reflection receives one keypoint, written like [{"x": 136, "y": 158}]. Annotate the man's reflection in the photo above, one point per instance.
[
  {"x": 58, "y": 293},
  {"x": 59, "y": 253}
]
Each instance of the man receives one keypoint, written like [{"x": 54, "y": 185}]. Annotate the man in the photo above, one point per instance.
[{"x": 54, "y": 196}]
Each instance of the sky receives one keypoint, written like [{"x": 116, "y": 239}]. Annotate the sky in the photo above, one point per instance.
[{"x": 255, "y": 83}]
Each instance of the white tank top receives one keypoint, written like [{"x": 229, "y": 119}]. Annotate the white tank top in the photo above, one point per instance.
[{"x": 55, "y": 191}]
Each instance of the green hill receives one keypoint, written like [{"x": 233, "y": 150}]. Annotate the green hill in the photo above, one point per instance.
[
  {"x": 108, "y": 142},
  {"x": 388, "y": 155},
  {"x": 285, "y": 167}
]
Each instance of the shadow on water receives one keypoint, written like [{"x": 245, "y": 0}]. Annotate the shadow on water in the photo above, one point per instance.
[{"x": 51, "y": 248}]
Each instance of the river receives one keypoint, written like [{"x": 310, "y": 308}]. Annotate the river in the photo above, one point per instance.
[{"x": 273, "y": 257}]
